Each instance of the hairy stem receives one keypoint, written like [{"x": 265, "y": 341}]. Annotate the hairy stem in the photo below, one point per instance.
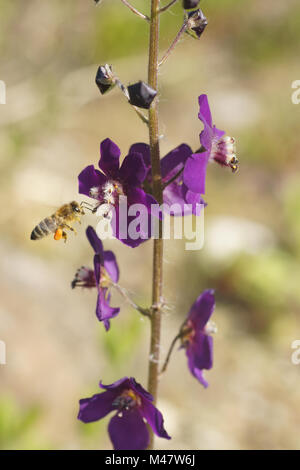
[{"x": 157, "y": 280}]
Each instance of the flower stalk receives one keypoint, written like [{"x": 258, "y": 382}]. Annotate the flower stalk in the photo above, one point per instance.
[
  {"x": 157, "y": 279},
  {"x": 175, "y": 42},
  {"x": 124, "y": 293},
  {"x": 166, "y": 7},
  {"x": 135, "y": 11}
]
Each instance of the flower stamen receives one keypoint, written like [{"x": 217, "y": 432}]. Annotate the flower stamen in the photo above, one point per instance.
[
  {"x": 126, "y": 401},
  {"x": 223, "y": 151}
]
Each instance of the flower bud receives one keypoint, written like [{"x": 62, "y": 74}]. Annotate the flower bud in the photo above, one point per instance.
[
  {"x": 188, "y": 4},
  {"x": 197, "y": 22},
  {"x": 141, "y": 95},
  {"x": 104, "y": 78}
]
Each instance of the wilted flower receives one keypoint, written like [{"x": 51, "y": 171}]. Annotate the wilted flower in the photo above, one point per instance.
[
  {"x": 104, "y": 78},
  {"x": 141, "y": 95},
  {"x": 195, "y": 335},
  {"x": 106, "y": 272},
  {"x": 197, "y": 22},
  {"x": 108, "y": 185},
  {"x": 132, "y": 403},
  {"x": 188, "y": 4},
  {"x": 216, "y": 146}
]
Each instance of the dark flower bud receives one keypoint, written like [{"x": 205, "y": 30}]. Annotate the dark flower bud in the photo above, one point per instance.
[
  {"x": 197, "y": 22},
  {"x": 188, "y": 4},
  {"x": 104, "y": 78},
  {"x": 141, "y": 95}
]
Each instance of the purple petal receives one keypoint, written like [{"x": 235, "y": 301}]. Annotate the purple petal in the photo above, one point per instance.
[
  {"x": 204, "y": 111},
  {"x": 138, "y": 196},
  {"x": 174, "y": 161},
  {"x": 136, "y": 387},
  {"x": 94, "y": 240},
  {"x": 96, "y": 407},
  {"x": 195, "y": 199},
  {"x": 143, "y": 149},
  {"x": 104, "y": 311},
  {"x": 121, "y": 231},
  {"x": 201, "y": 347},
  {"x": 202, "y": 309},
  {"x": 209, "y": 132},
  {"x": 128, "y": 431},
  {"x": 133, "y": 170},
  {"x": 98, "y": 262},
  {"x": 110, "y": 158},
  {"x": 90, "y": 178},
  {"x": 174, "y": 195},
  {"x": 111, "y": 265},
  {"x": 119, "y": 385},
  {"x": 154, "y": 418},
  {"x": 194, "y": 370},
  {"x": 218, "y": 133},
  {"x": 195, "y": 172},
  {"x": 141, "y": 223}
]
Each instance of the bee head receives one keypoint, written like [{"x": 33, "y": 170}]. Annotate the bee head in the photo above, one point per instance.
[{"x": 76, "y": 208}]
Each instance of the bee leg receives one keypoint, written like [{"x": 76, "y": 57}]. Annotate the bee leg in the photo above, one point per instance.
[
  {"x": 70, "y": 228},
  {"x": 64, "y": 236}
]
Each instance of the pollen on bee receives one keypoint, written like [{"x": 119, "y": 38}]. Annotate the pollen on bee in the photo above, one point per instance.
[{"x": 58, "y": 234}]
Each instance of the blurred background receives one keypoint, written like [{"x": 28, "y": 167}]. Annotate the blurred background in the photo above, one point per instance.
[{"x": 51, "y": 128}]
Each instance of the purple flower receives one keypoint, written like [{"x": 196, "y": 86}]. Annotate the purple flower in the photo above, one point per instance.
[
  {"x": 195, "y": 336},
  {"x": 133, "y": 406},
  {"x": 113, "y": 181},
  {"x": 105, "y": 272},
  {"x": 172, "y": 166},
  {"x": 216, "y": 146}
]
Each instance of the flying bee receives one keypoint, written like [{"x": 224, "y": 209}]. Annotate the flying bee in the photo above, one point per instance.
[{"x": 58, "y": 222}]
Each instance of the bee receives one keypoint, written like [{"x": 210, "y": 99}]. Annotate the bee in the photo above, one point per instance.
[{"x": 58, "y": 222}]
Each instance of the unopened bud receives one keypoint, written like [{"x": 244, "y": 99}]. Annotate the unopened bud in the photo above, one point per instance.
[
  {"x": 197, "y": 22},
  {"x": 141, "y": 95},
  {"x": 188, "y": 4},
  {"x": 104, "y": 78}
]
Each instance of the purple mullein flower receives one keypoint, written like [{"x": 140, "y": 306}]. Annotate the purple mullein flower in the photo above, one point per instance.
[
  {"x": 113, "y": 181},
  {"x": 105, "y": 272},
  {"x": 172, "y": 166},
  {"x": 216, "y": 146},
  {"x": 195, "y": 336},
  {"x": 133, "y": 406}
]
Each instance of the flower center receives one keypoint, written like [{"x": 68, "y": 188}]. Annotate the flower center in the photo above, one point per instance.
[
  {"x": 105, "y": 280},
  {"x": 127, "y": 401},
  {"x": 187, "y": 334},
  {"x": 108, "y": 195},
  {"x": 224, "y": 152},
  {"x": 111, "y": 192}
]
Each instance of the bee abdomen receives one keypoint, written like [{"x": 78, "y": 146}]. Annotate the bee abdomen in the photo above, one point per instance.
[{"x": 44, "y": 228}]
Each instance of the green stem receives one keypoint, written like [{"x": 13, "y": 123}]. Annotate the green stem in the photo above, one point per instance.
[{"x": 157, "y": 280}]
